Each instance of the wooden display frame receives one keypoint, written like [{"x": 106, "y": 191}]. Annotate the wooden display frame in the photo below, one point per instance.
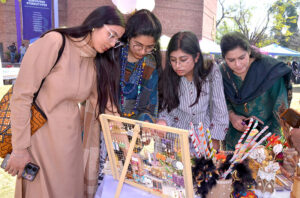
[{"x": 184, "y": 145}]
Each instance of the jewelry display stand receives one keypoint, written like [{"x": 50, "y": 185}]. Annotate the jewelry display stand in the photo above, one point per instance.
[{"x": 151, "y": 157}]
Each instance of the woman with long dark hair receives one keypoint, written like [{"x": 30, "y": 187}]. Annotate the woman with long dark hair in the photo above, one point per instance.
[
  {"x": 255, "y": 86},
  {"x": 57, "y": 146},
  {"x": 191, "y": 89},
  {"x": 140, "y": 61}
]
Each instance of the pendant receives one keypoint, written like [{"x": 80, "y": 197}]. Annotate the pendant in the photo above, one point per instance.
[{"x": 245, "y": 108}]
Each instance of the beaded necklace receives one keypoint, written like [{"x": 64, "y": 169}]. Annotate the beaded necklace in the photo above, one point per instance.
[{"x": 138, "y": 81}]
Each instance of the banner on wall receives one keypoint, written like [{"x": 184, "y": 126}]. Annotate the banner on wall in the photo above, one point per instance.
[{"x": 37, "y": 17}]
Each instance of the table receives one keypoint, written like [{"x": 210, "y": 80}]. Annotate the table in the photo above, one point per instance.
[
  {"x": 109, "y": 186},
  {"x": 10, "y": 73}
]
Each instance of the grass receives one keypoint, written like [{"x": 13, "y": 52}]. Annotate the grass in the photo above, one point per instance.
[{"x": 7, "y": 183}]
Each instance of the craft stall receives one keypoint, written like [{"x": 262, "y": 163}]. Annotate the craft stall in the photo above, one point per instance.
[{"x": 149, "y": 160}]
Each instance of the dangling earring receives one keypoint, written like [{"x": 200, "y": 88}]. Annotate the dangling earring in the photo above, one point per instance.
[{"x": 93, "y": 29}]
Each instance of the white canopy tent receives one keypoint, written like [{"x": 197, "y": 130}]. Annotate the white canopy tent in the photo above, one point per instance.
[
  {"x": 210, "y": 47},
  {"x": 207, "y": 46},
  {"x": 164, "y": 41},
  {"x": 277, "y": 50}
]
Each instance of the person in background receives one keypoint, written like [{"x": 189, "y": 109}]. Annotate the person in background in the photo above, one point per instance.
[
  {"x": 57, "y": 147},
  {"x": 295, "y": 72},
  {"x": 12, "y": 51},
  {"x": 22, "y": 52},
  {"x": 192, "y": 89},
  {"x": 254, "y": 85}
]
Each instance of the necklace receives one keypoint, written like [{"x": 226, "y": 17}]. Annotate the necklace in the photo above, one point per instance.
[{"x": 137, "y": 81}]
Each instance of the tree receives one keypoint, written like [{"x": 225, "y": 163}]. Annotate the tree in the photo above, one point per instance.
[
  {"x": 278, "y": 26},
  {"x": 285, "y": 21},
  {"x": 240, "y": 17}
]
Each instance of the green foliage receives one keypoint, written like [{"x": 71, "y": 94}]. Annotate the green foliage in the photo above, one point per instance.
[
  {"x": 266, "y": 40},
  {"x": 280, "y": 25},
  {"x": 285, "y": 21},
  {"x": 223, "y": 29}
]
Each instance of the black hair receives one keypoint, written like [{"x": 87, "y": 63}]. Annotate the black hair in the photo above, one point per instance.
[
  {"x": 205, "y": 175},
  {"x": 169, "y": 84},
  {"x": 144, "y": 22},
  {"x": 107, "y": 65},
  {"x": 242, "y": 178},
  {"x": 233, "y": 40}
]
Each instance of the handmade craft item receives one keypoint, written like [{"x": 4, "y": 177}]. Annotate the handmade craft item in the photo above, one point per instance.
[
  {"x": 242, "y": 181},
  {"x": 245, "y": 155},
  {"x": 238, "y": 146},
  {"x": 212, "y": 151},
  {"x": 296, "y": 185},
  {"x": 204, "y": 175},
  {"x": 221, "y": 189},
  {"x": 290, "y": 158},
  {"x": 158, "y": 163},
  {"x": 266, "y": 180}
]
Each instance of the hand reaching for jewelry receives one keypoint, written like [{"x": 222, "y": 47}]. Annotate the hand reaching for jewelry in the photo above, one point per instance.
[
  {"x": 237, "y": 121},
  {"x": 256, "y": 118},
  {"x": 158, "y": 132},
  {"x": 161, "y": 122}
]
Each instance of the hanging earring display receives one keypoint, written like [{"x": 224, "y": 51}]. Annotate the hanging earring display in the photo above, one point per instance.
[{"x": 151, "y": 157}]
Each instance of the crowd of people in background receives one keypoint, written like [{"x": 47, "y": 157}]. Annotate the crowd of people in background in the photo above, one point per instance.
[{"x": 13, "y": 52}]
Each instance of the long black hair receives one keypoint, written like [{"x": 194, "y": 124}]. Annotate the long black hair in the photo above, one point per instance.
[
  {"x": 144, "y": 22},
  {"x": 169, "y": 84},
  {"x": 107, "y": 64},
  {"x": 233, "y": 40}
]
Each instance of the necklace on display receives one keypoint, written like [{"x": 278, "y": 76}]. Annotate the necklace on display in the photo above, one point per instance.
[{"x": 137, "y": 81}]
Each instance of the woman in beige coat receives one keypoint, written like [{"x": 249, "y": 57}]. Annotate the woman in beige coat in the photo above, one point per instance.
[{"x": 57, "y": 147}]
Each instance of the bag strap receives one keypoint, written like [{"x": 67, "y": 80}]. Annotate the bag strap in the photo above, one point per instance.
[{"x": 58, "y": 57}]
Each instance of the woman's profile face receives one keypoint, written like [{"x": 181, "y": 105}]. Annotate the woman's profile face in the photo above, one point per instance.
[
  {"x": 238, "y": 60},
  {"x": 106, "y": 37},
  {"x": 183, "y": 63}
]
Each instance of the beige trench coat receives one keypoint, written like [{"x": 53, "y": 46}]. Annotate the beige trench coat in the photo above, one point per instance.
[{"x": 57, "y": 147}]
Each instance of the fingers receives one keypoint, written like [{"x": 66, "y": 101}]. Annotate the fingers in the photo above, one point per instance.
[
  {"x": 14, "y": 172},
  {"x": 20, "y": 173},
  {"x": 259, "y": 120},
  {"x": 244, "y": 118},
  {"x": 161, "y": 122},
  {"x": 17, "y": 162}
]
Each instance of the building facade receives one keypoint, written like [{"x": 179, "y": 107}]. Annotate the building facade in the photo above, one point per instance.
[{"x": 197, "y": 16}]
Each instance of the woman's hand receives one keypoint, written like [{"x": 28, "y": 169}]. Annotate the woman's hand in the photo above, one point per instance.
[
  {"x": 236, "y": 121},
  {"x": 161, "y": 122},
  {"x": 216, "y": 144},
  {"x": 259, "y": 120},
  {"x": 17, "y": 162},
  {"x": 160, "y": 133}
]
